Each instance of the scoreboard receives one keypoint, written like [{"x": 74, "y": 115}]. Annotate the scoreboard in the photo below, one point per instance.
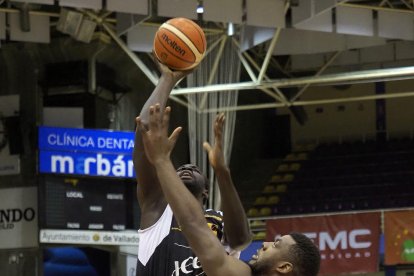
[
  {"x": 87, "y": 203},
  {"x": 87, "y": 187}
]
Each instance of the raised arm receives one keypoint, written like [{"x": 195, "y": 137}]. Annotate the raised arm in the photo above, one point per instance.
[
  {"x": 237, "y": 228},
  {"x": 186, "y": 208},
  {"x": 149, "y": 193}
]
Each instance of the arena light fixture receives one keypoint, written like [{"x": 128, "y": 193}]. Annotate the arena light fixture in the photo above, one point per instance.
[
  {"x": 230, "y": 29},
  {"x": 200, "y": 7}
]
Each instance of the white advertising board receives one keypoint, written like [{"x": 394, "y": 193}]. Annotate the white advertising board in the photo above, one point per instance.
[
  {"x": 88, "y": 237},
  {"x": 9, "y": 164},
  {"x": 18, "y": 218}
]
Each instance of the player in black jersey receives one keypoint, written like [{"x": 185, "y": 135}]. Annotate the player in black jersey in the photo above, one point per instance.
[
  {"x": 292, "y": 254},
  {"x": 163, "y": 250}
]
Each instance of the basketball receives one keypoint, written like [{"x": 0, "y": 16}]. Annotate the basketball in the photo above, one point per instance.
[{"x": 180, "y": 44}]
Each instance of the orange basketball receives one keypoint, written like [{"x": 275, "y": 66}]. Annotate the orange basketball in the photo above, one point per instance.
[{"x": 180, "y": 44}]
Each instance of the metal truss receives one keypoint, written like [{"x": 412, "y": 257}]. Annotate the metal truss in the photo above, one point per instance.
[
  {"x": 257, "y": 73},
  {"x": 271, "y": 87},
  {"x": 383, "y": 6}
]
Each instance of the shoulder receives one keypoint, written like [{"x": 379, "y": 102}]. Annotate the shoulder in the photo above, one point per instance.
[
  {"x": 215, "y": 214},
  {"x": 215, "y": 222}
]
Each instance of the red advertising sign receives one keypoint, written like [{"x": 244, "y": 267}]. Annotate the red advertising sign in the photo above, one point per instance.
[
  {"x": 347, "y": 243},
  {"x": 399, "y": 237}
]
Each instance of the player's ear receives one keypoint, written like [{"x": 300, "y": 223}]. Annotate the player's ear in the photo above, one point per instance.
[
  {"x": 205, "y": 196},
  {"x": 284, "y": 268}
]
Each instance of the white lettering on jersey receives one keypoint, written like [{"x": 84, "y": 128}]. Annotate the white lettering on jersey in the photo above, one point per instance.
[{"x": 186, "y": 267}]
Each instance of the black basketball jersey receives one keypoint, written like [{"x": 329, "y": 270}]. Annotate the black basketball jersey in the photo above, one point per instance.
[{"x": 164, "y": 251}]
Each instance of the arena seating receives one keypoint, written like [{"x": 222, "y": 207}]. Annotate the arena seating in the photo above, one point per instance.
[
  {"x": 67, "y": 261},
  {"x": 341, "y": 177}
]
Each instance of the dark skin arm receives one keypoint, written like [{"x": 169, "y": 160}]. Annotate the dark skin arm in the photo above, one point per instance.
[
  {"x": 149, "y": 193},
  {"x": 186, "y": 209},
  {"x": 237, "y": 228}
]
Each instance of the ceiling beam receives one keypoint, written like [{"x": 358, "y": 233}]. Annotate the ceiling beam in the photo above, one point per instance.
[
  {"x": 320, "y": 71},
  {"x": 375, "y": 8},
  {"x": 311, "y": 102},
  {"x": 343, "y": 78}
]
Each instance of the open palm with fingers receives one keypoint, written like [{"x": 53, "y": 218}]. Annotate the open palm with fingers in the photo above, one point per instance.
[
  {"x": 215, "y": 152},
  {"x": 158, "y": 145}
]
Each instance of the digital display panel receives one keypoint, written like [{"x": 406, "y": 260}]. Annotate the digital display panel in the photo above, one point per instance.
[{"x": 88, "y": 203}]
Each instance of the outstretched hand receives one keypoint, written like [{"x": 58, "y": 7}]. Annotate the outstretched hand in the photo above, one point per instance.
[
  {"x": 215, "y": 153},
  {"x": 157, "y": 144},
  {"x": 166, "y": 71}
]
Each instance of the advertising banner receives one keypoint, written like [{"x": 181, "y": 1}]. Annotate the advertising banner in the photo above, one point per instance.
[
  {"x": 399, "y": 237},
  {"x": 88, "y": 237},
  {"x": 86, "y": 152},
  {"x": 18, "y": 218},
  {"x": 9, "y": 163},
  {"x": 347, "y": 243},
  {"x": 86, "y": 163}
]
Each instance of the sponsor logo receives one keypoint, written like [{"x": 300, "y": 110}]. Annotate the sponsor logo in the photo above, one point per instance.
[
  {"x": 96, "y": 237},
  {"x": 86, "y": 152},
  {"x": 213, "y": 227},
  {"x": 117, "y": 165},
  {"x": 353, "y": 239},
  {"x": 186, "y": 267},
  {"x": 173, "y": 44},
  {"x": 71, "y": 140},
  {"x": 343, "y": 244},
  {"x": 9, "y": 217},
  {"x": 408, "y": 251},
  {"x": 87, "y": 237}
]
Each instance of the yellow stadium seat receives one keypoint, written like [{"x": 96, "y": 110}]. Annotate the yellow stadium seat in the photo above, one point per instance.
[
  {"x": 265, "y": 211},
  {"x": 288, "y": 177},
  {"x": 268, "y": 189},
  {"x": 283, "y": 168},
  {"x": 257, "y": 223},
  {"x": 294, "y": 166},
  {"x": 290, "y": 157},
  {"x": 253, "y": 212},
  {"x": 276, "y": 178},
  {"x": 272, "y": 200},
  {"x": 261, "y": 235},
  {"x": 281, "y": 188},
  {"x": 300, "y": 156},
  {"x": 260, "y": 200}
]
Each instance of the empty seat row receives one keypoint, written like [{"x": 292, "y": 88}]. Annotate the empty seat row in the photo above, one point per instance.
[{"x": 270, "y": 200}]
